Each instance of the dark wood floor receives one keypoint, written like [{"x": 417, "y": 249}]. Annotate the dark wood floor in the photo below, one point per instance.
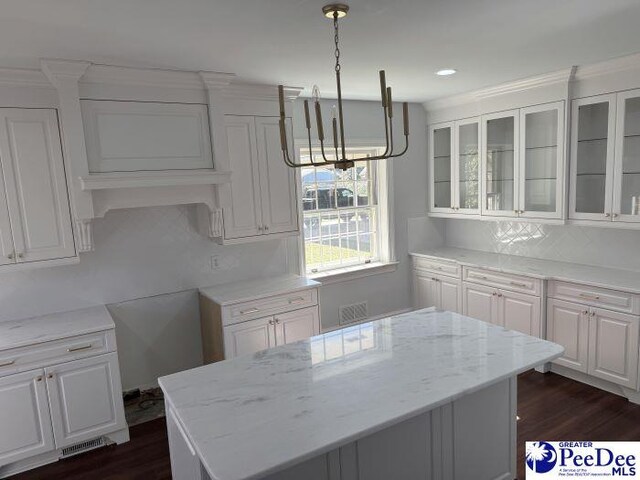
[{"x": 550, "y": 407}]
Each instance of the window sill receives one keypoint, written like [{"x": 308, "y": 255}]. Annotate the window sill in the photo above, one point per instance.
[{"x": 340, "y": 275}]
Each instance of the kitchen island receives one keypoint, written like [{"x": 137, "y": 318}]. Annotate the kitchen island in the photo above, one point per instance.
[{"x": 427, "y": 394}]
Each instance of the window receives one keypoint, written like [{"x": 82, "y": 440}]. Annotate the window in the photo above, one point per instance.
[{"x": 344, "y": 220}]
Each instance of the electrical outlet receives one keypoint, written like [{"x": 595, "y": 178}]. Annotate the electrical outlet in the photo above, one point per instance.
[{"x": 215, "y": 262}]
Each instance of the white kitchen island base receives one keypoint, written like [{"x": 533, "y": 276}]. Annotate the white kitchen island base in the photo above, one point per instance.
[
  {"x": 427, "y": 395},
  {"x": 472, "y": 438}
]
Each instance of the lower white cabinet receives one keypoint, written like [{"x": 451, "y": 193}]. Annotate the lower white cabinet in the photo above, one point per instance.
[
  {"x": 24, "y": 416},
  {"x": 511, "y": 310},
  {"x": 440, "y": 291},
  {"x": 247, "y": 317},
  {"x": 598, "y": 342},
  {"x": 85, "y": 398},
  {"x": 60, "y": 391}
]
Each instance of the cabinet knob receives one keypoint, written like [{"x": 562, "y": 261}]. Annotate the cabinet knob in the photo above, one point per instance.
[
  {"x": 21, "y": 255},
  {"x": 10, "y": 256},
  {"x": 615, "y": 215},
  {"x": 259, "y": 228},
  {"x": 607, "y": 215},
  {"x": 277, "y": 320},
  {"x": 521, "y": 212},
  {"x": 50, "y": 375},
  {"x": 266, "y": 228},
  {"x": 499, "y": 294},
  {"x": 586, "y": 312},
  {"x": 38, "y": 379}
]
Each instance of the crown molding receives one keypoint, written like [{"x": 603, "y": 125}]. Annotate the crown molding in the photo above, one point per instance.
[
  {"x": 23, "y": 77},
  {"x": 144, "y": 77},
  {"x": 560, "y": 76},
  {"x": 214, "y": 80},
  {"x": 58, "y": 70},
  {"x": 259, "y": 92},
  {"x": 608, "y": 67}
]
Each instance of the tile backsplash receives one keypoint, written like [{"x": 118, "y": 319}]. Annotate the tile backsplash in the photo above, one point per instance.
[{"x": 610, "y": 247}]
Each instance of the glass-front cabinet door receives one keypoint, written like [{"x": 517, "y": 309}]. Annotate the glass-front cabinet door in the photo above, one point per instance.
[
  {"x": 541, "y": 179},
  {"x": 500, "y": 163},
  {"x": 626, "y": 195},
  {"x": 592, "y": 157},
  {"x": 441, "y": 149},
  {"x": 467, "y": 166}
]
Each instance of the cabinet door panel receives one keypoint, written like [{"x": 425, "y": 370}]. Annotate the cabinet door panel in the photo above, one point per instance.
[
  {"x": 86, "y": 399},
  {"x": 626, "y": 206},
  {"x": 277, "y": 180},
  {"x": 521, "y": 313},
  {"x": 297, "y": 325},
  {"x": 592, "y": 157},
  {"x": 449, "y": 294},
  {"x": 613, "y": 347},
  {"x": 36, "y": 186},
  {"x": 424, "y": 291},
  {"x": 467, "y": 166},
  {"x": 6, "y": 239},
  {"x": 242, "y": 213},
  {"x": 500, "y": 163},
  {"x": 480, "y": 302},
  {"x": 441, "y": 150},
  {"x": 24, "y": 416},
  {"x": 249, "y": 337},
  {"x": 542, "y": 156},
  {"x": 568, "y": 325}
]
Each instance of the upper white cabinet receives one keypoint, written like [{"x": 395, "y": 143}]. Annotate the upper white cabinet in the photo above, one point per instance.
[
  {"x": 35, "y": 222},
  {"x": 503, "y": 164},
  {"x": 127, "y": 136},
  {"x": 455, "y": 167},
  {"x": 261, "y": 199},
  {"x": 605, "y": 158}
]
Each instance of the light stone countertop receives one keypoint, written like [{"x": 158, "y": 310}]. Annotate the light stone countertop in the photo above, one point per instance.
[
  {"x": 616, "y": 279},
  {"x": 29, "y": 331},
  {"x": 237, "y": 292},
  {"x": 257, "y": 414}
]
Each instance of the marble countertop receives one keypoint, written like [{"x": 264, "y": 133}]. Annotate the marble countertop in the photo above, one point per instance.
[
  {"x": 238, "y": 292},
  {"x": 257, "y": 414},
  {"x": 617, "y": 279},
  {"x": 29, "y": 331}
]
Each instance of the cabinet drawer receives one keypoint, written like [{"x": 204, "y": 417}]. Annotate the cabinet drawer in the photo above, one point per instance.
[
  {"x": 595, "y": 296},
  {"x": 441, "y": 267},
  {"x": 58, "y": 351},
  {"x": 269, "y": 306},
  {"x": 515, "y": 283}
]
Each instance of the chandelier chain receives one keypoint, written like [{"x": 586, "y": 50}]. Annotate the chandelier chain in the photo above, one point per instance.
[{"x": 336, "y": 40}]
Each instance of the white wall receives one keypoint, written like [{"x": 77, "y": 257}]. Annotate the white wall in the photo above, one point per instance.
[
  {"x": 567, "y": 243},
  {"x": 391, "y": 291}
]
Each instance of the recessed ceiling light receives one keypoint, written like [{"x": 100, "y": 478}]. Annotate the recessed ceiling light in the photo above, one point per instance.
[{"x": 446, "y": 71}]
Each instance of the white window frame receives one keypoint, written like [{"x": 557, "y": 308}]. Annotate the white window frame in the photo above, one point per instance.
[{"x": 386, "y": 228}]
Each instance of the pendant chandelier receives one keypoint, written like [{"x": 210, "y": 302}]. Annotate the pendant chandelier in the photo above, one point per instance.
[{"x": 335, "y": 12}]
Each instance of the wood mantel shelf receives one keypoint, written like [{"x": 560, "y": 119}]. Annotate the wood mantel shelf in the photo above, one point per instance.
[{"x": 165, "y": 178}]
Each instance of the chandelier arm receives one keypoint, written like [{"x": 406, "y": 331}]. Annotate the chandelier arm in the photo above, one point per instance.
[{"x": 406, "y": 147}]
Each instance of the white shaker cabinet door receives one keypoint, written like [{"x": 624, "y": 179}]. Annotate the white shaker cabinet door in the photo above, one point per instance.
[
  {"x": 86, "y": 399},
  {"x": 480, "y": 302},
  {"x": 7, "y": 254},
  {"x": 242, "y": 215},
  {"x": 24, "y": 417},
  {"x": 425, "y": 291},
  {"x": 249, "y": 337},
  {"x": 568, "y": 325},
  {"x": 613, "y": 347},
  {"x": 297, "y": 325},
  {"x": 520, "y": 312},
  {"x": 34, "y": 176},
  {"x": 449, "y": 292},
  {"x": 277, "y": 180}
]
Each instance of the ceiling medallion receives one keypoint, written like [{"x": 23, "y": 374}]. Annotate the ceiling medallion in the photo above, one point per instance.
[{"x": 338, "y": 157}]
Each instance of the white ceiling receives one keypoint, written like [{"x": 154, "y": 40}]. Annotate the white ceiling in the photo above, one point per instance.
[{"x": 289, "y": 41}]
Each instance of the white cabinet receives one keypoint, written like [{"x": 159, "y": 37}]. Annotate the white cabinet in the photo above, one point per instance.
[
  {"x": 35, "y": 222},
  {"x": 597, "y": 341},
  {"x": 455, "y": 167},
  {"x": 437, "y": 291},
  {"x": 249, "y": 337},
  {"x": 24, "y": 416},
  {"x": 626, "y": 173},
  {"x": 505, "y": 307},
  {"x": 261, "y": 199},
  {"x": 58, "y": 387},
  {"x": 246, "y": 317},
  {"x": 127, "y": 136},
  {"x": 85, "y": 398}
]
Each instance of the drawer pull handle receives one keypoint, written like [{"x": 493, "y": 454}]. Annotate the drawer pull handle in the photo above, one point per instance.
[
  {"x": 481, "y": 277},
  {"x": 590, "y": 297},
  {"x": 78, "y": 349},
  {"x": 6, "y": 364},
  {"x": 519, "y": 284},
  {"x": 296, "y": 300},
  {"x": 249, "y": 310}
]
